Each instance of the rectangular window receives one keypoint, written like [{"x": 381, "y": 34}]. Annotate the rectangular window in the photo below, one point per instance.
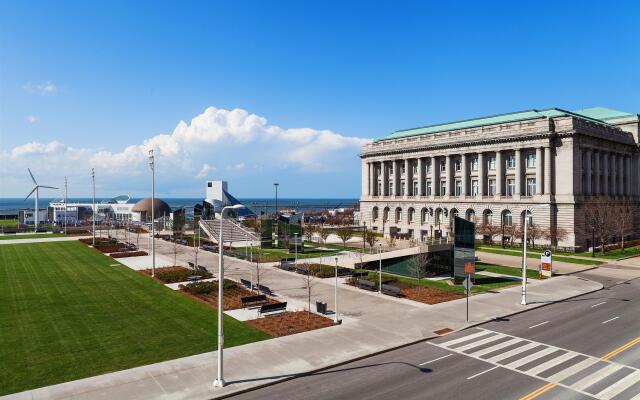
[
  {"x": 415, "y": 189},
  {"x": 458, "y": 165},
  {"x": 492, "y": 162},
  {"x": 443, "y": 166},
  {"x": 414, "y": 168},
  {"x": 474, "y": 164},
  {"x": 403, "y": 188},
  {"x": 379, "y": 189},
  {"x": 492, "y": 187},
  {"x": 511, "y": 187},
  {"x": 531, "y": 160},
  {"x": 428, "y": 167},
  {"x": 443, "y": 188},
  {"x": 391, "y": 168},
  {"x": 429, "y": 188},
  {"x": 458, "y": 188},
  {"x": 403, "y": 169},
  {"x": 531, "y": 186},
  {"x": 390, "y": 189},
  {"x": 511, "y": 162},
  {"x": 475, "y": 187}
]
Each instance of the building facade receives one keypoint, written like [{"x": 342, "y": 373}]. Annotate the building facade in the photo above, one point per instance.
[{"x": 542, "y": 163}]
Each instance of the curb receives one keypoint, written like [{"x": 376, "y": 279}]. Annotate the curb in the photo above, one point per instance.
[{"x": 421, "y": 340}]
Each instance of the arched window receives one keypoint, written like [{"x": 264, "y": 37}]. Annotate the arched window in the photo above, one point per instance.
[
  {"x": 385, "y": 214},
  {"x": 488, "y": 217},
  {"x": 411, "y": 215},
  {"x": 454, "y": 213},
  {"x": 507, "y": 218},
  {"x": 471, "y": 215},
  {"x": 529, "y": 216},
  {"x": 398, "y": 214},
  {"x": 438, "y": 216},
  {"x": 374, "y": 213},
  {"x": 424, "y": 213}
]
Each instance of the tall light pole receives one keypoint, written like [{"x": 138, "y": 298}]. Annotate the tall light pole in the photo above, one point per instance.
[
  {"x": 380, "y": 268},
  {"x": 276, "y": 185},
  {"x": 66, "y": 196},
  {"x": 524, "y": 260},
  {"x": 93, "y": 179},
  {"x": 153, "y": 200},
  {"x": 219, "y": 382},
  {"x": 336, "y": 293},
  {"x": 295, "y": 244}
]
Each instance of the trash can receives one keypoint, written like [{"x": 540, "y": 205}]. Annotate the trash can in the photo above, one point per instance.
[{"x": 321, "y": 307}]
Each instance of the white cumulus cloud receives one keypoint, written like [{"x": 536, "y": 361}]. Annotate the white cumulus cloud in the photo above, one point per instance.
[
  {"x": 31, "y": 119},
  {"x": 43, "y": 89}
]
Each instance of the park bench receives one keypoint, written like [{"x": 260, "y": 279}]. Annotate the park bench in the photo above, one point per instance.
[
  {"x": 365, "y": 284},
  {"x": 192, "y": 265},
  {"x": 391, "y": 290},
  {"x": 359, "y": 274},
  {"x": 253, "y": 300},
  {"x": 194, "y": 278},
  {"x": 245, "y": 283},
  {"x": 273, "y": 308},
  {"x": 264, "y": 289},
  {"x": 200, "y": 268}
]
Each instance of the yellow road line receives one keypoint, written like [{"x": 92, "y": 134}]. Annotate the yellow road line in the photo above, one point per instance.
[
  {"x": 620, "y": 349},
  {"x": 607, "y": 356},
  {"x": 539, "y": 391}
]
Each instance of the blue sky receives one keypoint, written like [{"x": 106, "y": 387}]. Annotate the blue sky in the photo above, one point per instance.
[{"x": 87, "y": 84}]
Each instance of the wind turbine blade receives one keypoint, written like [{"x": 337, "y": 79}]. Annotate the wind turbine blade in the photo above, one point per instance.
[
  {"x": 32, "y": 178},
  {"x": 48, "y": 187},
  {"x": 31, "y": 192}
]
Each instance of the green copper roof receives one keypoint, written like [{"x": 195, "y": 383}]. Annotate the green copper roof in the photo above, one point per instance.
[
  {"x": 598, "y": 114},
  {"x": 603, "y": 114}
]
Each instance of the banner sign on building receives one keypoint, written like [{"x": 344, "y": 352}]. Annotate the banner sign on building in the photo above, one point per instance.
[
  {"x": 464, "y": 252},
  {"x": 546, "y": 266}
]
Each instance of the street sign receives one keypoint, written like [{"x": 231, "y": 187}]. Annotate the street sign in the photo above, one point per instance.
[
  {"x": 546, "y": 265},
  {"x": 467, "y": 283},
  {"x": 469, "y": 268}
]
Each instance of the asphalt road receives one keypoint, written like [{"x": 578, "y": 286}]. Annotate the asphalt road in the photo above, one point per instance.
[{"x": 553, "y": 352}]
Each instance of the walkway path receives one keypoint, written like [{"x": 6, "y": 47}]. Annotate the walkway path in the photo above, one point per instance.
[{"x": 372, "y": 323}]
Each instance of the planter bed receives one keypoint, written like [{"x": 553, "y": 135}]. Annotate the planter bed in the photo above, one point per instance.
[
  {"x": 207, "y": 293},
  {"x": 317, "y": 270},
  {"x": 175, "y": 274},
  {"x": 129, "y": 254},
  {"x": 289, "y": 323},
  {"x": 419, "y": 293}
]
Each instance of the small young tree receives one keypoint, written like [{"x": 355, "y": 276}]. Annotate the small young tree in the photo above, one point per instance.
[
  {"x": 309, "y": 230},
  {"x": 600, "y": 220},
  {"x": 370, "y": 238},
  {"x": 345, "y": 233},
  {"x": 624, "y": 220},
  {"x": 418, "y": 264},
  {"x": 391, "y": 241},
  {"x": 309, "y": 283},
  {"x": 324, "y": 234}
]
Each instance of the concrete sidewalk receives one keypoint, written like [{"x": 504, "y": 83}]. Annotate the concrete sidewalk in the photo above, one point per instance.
[{"x": 261, "y": 363}]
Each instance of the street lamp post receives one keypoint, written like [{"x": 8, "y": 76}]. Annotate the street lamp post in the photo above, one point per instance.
[
  {"x": 276, "y": 185},
  {"x": 524, "y": 260},
  {"x": 219, "y": 382},
  {"x": 153, "y": 200},
  {"x": 380, "y": 268},
  {"x": 336, "y": 293},
  {"x": 66, "y": 196},
  {"x": 295, "y": 244},
  {"x": 93, "y": 179}
]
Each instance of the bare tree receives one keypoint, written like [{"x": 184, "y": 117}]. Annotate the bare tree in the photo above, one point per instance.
[
  {"x": 599, "y": 220},
  {"x": 554, "y": 235},
  {"x": 370, "y": 238},
  {"x": 309, "y": 230},
  {"x": 324, "y": 234},
  {"x": 345, "y": 233},
  {"x": 624, "y": 220},
  {"x": 391, "y": 241},
  {"x": 490, "y": 230},
  {"x": 309, "y": 283},
  {"x": 418, "y": 264}
]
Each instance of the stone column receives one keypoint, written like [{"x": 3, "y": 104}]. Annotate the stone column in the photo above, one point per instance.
[
  {"x": 481, "y": 178},
  {"x": 499, "y": 173},
  {"x": 596, "y": 172},
  {"x": 408, "y": 180},
  {"x": 548, "y": 165},
  {"x": 396, "y": 178},
  {"x": 465, "y": 184},
  {"x": 385, "y": 179},
  {"x": 605, "y": 185},
  {"x": 420, "y": 177},
  {"x": 539, "y": 165},
  {"x": 587, "y": 172},
  {"x": 614, "y": 174},
  {"x": 627, "y": 175},
  {"x": 622, "y": 175},
  {"x": 448, "y": 174},
  {"x": 435, "y": 172},
  {"x": 518, "y": 191}
]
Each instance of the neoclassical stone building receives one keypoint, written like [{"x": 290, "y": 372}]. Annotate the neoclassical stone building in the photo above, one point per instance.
[{"x": 542, "y": 162}]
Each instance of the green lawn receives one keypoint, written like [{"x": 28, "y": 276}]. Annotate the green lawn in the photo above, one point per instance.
[
  {"x": 31, "y": 236},
  {"x": 8, "y": 222},
  {"x": 67, "y": 314},
  {"x": 482, "y": 283},
  {"x": 614, "y": 254},
  {"x": 536, "y": 255}
]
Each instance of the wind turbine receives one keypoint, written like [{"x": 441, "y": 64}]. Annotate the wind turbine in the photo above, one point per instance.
[{"x": 36, "y": 188}]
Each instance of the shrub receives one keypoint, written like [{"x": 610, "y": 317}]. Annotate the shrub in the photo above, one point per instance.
[
  {"x": 177, "y": 274},
  {"x": 129, "y": 254},
  {"x": 206, "y": 287}
]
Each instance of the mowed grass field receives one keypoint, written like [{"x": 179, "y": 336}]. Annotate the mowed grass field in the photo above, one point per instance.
[{"x": 66, "y": 313}]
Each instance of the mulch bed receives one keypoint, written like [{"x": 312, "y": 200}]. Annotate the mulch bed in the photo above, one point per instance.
[
  {"x": 174, "y": 274},
  {"x": 428, "y": 295},
  {"x": 290, "y": 323},
  {"x": 232, "y": 297},
  {"x": 129, "y": 254}
]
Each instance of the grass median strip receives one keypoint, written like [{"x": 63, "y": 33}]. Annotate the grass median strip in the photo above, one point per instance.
[
  {"x": 68, "y": 313},
  {"x": 517, "y": 253}
]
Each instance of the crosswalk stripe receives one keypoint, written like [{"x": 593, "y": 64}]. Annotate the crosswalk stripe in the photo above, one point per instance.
[
  {"x": 531, "y": 357},
  {"x": 513, "y": 352},
  {"x": 479, "y": 343},
  {"x": 498, "y": 346},
  {"x": 464, "y": 338},
  {"x": 620, "y": 386},
  {"x": 574, "y": 369},
  {"x": 551, "y": 363},
  {"x": 597, "y": 376}
]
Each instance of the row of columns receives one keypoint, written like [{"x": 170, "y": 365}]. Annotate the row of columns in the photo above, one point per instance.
[
  {"x": 606, "y": 173},
  {"x": 376, "y": 168}
]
